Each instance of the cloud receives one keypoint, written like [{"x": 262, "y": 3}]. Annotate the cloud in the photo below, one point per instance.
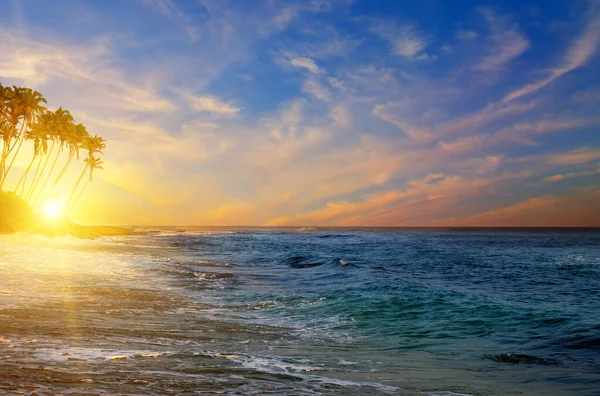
[
  {"x": 579, "y": 210},
  {"x": 405, "y": 40},
  {"x": 432, "y": 177},
  {"x": 464, "y": 145},
  {"x": 507, "y": 43},
  {"x": 561, "y": 177},
  {"x": 522, "y": 132},
  {"x": 77, "y": 68},
  {"x": 466, "y": 35},
  {"x": 314, "y": 88},
  {"x": 577, "y": 156},
  {"x": 285, "y": 15},
  {"x": 340, "y": 115},
  {"x": 386, "y": 113},
  {"x": 577, "y": 55},
  {"x": 306, "y": 63},
  {"x": 335, "y": 83},
  {"x": 468, "y": 123},
  {"x": 421, "y": 203},
  {"x": 173, "y": 12},
  {"x": 393, "y": 113},
  {"x": 213, "y": 105}
]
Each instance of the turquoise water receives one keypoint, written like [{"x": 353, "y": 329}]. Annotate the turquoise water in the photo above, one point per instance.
[{"x": 303, "y": 311}]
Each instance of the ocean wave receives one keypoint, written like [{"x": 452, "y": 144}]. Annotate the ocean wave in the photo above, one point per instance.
[
  {"x": 212, "y": 276},
  {"x": 580, "y": 339},
  {"x": 300, "y": 261},
  {"x": 330, "y": 236},
  {"x": 302, "y": 370},
  {"x": 90, "y": 355},
  {"x": 516, "y": 358},
  {"x": 306, "y": 229}
]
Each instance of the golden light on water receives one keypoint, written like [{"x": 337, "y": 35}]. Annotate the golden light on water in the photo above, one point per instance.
[{"x": 53, "y": 209}]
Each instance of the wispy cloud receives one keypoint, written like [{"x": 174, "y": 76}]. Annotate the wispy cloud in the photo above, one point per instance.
[
  {"x": 578, "y": 210},
  {"x": 386, "y": 113},
  {"x": 84, "y": 67},
  {"x": 213, "y": 105},
  {"x": 421, "y": 203},
  {"x": 340, "y": 115},
  {"x": 577, "y": 55},
  {"x": 306, "y": 63},
  {"x": 313, "y": 87},
  {"x": 507, "y": 43},
  {"x": 570, "y": 175},
  {"x": 393, "y": 113},
  {"x": 467, "y": 35},
  {"x": 577, "y": 156},
  {"x": 404, "y": 40},
  {"x": 170, "y": 10}
]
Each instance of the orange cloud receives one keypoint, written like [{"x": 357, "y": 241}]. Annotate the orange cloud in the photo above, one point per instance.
[{"x": 581, "y": 210}]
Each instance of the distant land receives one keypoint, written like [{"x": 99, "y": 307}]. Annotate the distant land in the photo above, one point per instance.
[{"x": 17, "y": 216}]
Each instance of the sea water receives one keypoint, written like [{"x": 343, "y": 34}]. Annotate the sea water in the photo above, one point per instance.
[{"x": 302, "y": 311}]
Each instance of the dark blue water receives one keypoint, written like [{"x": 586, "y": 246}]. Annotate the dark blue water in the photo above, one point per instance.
[{"x": 341, "y": 311}]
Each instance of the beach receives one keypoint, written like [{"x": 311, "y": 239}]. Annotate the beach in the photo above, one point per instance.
[{"x": 302, "y": 311}]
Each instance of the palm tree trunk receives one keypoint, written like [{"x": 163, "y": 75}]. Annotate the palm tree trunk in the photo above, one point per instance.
[
  {"x": 80, "y": 194},
  {"x": 36, "y": 182},
  {"x": 77, "y": 184},
  {"x": 23, "y": 178},
  {"x": 35, "y": 175},
  {"x": 63, "y": 170},
  {"x": 48, "y": 177},
  {"x": 2, "y": 162},
  {"x": 21, "y": 140}
]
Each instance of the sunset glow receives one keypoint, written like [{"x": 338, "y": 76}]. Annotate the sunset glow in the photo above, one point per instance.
[{"x": 260, "y": 113}]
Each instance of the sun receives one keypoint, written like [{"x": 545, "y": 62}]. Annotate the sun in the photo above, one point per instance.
[{"x": 53, "y": 209}]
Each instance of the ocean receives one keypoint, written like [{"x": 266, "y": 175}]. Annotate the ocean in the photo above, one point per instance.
[{"x": 302, "y": 311}]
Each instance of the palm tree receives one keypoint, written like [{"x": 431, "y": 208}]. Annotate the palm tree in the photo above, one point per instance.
[
  {"x": 7, "y": 132},
  {"x": 5, "y": 94},
  {"x": 75, "y": 140},
  {"x": 94, "y": 145},
  {"x": 45, "y": 125},
  {"x": 40, "y": 145},
  {"x": 24, "y": 118},
  {"x": 27, "y": 105},
  {"x": 63, "y": 125},
  {"x": 12, "y": 107},
  {"x": 92, "y": 163}
]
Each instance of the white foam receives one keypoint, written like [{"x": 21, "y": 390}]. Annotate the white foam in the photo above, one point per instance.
[
  {"x": 91, "y": 354},
  {"x": 345, "y": 362},
  {"x": 272, "y": 365}
]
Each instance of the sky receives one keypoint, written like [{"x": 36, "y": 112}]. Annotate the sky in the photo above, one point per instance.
[{"x": 314, "y": 112}]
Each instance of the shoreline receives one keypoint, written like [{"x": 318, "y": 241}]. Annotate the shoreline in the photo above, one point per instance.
[
  {"x": 52, "y": 230},
  {"x": 86, "y": 232}
]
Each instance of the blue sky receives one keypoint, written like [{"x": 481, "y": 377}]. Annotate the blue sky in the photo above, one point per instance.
[{"x": 324, "y": 112}]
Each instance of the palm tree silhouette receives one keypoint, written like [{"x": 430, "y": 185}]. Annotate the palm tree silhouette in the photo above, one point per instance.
[
  {"x": 74, "y": 140},
  {"x": 93, "y": 163},
  {"x": 94, "y": 145},
  {"x": 40, "y": 145},
  {"x": 46, "y": 127},
  {"x": 63, "y": 126},
  {"x": 24, "y": 118},
  {"x": 26, "y": 107}
]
